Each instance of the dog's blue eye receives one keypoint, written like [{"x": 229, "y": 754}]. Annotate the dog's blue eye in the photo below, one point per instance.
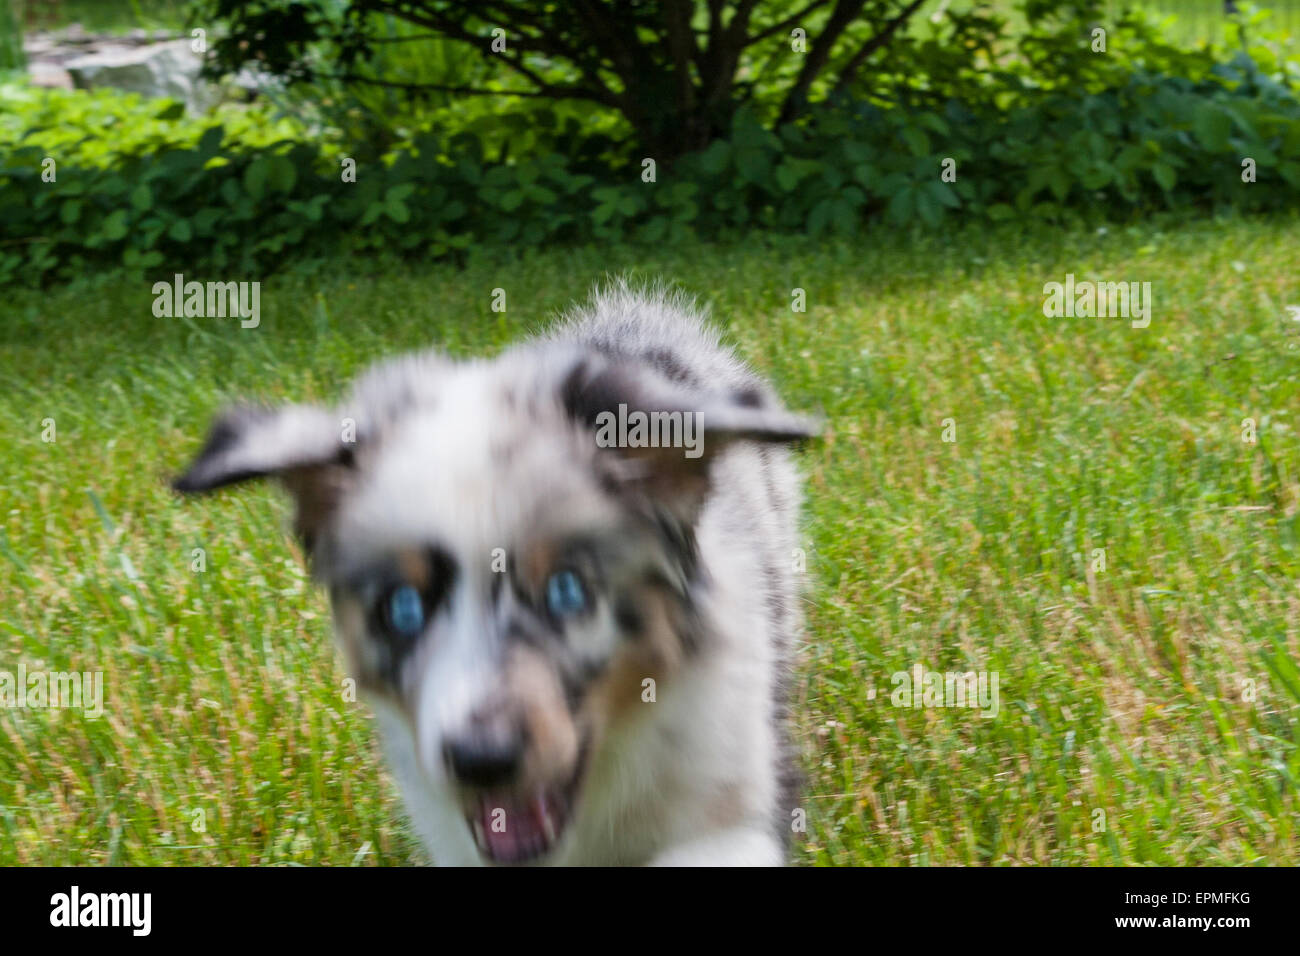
[
  {"x": 565, "y": 595},
  {"x": 405, "y": 611}
]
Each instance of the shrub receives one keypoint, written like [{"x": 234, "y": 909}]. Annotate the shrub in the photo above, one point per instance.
[{"x": 141, "y": 186}]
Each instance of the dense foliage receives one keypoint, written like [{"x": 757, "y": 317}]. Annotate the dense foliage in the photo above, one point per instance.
[
  {"x": 1060, "y": 133},
  {"x": 675, "y": 70}
]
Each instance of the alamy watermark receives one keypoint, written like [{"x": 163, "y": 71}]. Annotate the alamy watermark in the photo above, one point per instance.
[
  {"x": 638, "y": 429},
  {"x": 194, "y": 299},
  {"x": 75, "y": 690},
  {"x": 133, "y": 911},
  {"x": 919, "y": 688},
  {"x": 1127, "y": 300}
]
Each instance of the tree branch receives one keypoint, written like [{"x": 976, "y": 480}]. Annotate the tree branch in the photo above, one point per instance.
[
  {"x": 785, "y": 24},
  {"x": 725, "y": 46},
  {"x": 411, "y": 39},
  {"x": 875, "y": 43},
  {"x": 680, "y": 44},
  {"x": 846, "y": 11},
  {"x": 596, "y": 91},
  {"x": 553, "y": 93}
]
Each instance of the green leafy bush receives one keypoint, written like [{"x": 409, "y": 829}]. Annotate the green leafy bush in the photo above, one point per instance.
[
  {"x": 101, "y": 127},
  {"x": 11, "y": 39},
  {"x": 141, "y": 186}
]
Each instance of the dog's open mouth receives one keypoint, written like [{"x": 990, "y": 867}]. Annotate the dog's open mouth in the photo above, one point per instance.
[
  {"x": 513, "y": 826},
  {"x": 518, "y": 828}
]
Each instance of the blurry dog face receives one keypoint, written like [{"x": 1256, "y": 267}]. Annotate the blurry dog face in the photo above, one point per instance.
[
  {"x": 505, "y": 600},
  {"x": 499, "y": 580}
]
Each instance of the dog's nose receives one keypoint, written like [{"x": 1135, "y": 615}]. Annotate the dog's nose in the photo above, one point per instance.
[{"x": 483, "y": 761}]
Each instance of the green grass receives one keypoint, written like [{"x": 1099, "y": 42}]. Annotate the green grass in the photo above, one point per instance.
[
  {"x": 103, "y": 16},
  {"x": 1184, "y": 22},
  {"x": 1121, "y": 690}
]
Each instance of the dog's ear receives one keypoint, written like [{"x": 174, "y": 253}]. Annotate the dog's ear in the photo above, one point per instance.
[
  {"x": 247, "y": 442},
  {"x": 602, "y": 394},
  {"x": 301, "y": 445}
]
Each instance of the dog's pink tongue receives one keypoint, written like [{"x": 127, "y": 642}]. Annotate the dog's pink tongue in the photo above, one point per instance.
[{"x": 513, "y": 830}]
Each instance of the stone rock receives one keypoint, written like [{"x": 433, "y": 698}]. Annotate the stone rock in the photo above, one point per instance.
[
  {"x": 49, "y": 74},
  {"x": 73, "y": 33},
  {"x": 153, "y": 70}
]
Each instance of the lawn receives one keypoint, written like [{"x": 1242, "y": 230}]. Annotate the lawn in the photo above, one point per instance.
[{"x": 1099, "y": 535}]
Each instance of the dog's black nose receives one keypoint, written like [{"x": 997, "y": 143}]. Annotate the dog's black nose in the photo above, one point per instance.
[{"x": 484, "y": 762}]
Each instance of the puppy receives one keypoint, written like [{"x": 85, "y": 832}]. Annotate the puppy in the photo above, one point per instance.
[{"x": 564, "y": 579}]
